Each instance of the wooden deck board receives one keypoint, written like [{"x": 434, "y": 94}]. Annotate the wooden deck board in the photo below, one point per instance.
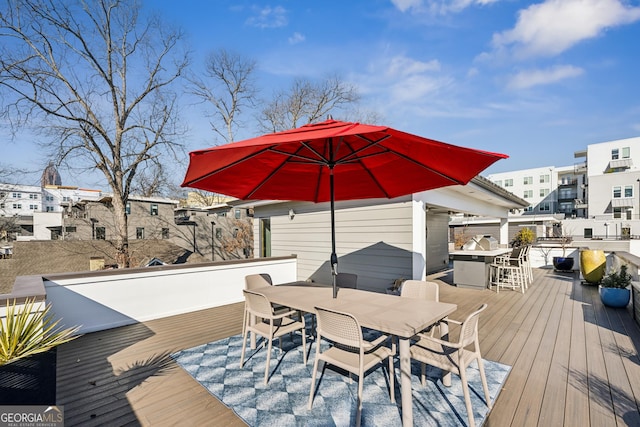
[
  {"x": 555, "y": 392},
  {"x": 566, "y": 351},
  {"x": 577, "y": 404}
]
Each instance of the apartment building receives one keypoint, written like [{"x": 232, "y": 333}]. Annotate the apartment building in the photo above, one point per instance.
[
  {"x": 19, "y": 200},
  {"x": 614, "y": 180},
  {"x": 600, "y": 193}
]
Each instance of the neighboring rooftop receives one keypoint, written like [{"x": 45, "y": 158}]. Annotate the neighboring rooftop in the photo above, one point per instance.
[{"x": 64, "y": 256}]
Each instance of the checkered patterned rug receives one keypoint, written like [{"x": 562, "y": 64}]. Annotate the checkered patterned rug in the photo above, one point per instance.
[{"x": 283, "y": 401}]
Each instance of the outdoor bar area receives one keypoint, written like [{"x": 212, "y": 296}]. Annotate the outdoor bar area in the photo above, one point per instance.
[{"x": 471, "y": 265}]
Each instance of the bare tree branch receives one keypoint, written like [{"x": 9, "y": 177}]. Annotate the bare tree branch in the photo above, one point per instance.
[
  {"x": 307, "y": 102},
  {"x": 98, "y": 80},
  {"x": 228, "y": 87}
]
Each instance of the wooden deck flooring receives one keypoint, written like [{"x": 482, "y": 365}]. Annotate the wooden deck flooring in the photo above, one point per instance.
[{"x": 574, "y": 362}]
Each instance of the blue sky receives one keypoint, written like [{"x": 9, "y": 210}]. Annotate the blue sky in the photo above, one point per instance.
[{"x": 534, "y": 80}]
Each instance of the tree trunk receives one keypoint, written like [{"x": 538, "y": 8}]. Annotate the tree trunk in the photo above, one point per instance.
[{"x": 122, "y": 233}]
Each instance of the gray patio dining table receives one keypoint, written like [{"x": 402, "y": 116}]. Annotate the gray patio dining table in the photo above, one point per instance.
[{"x": 389, "y": 314}]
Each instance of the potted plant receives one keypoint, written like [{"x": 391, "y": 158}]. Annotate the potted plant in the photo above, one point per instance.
[
  {"x": 563, "y": 263},
  {"x": 615, "y": 288},
  {"x": 524, "y": 237},
  {"x": 27, "y": 337}
]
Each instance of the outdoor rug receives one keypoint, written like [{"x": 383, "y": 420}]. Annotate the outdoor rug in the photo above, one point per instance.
[{"x": 283, "y": 401}]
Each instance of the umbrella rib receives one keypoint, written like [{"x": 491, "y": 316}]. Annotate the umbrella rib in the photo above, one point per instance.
[
  {"x": 350, "y": 157},
  {"x": 275, "y": 170},
  {"x": 359, "y": 160},
  {"x": 222, "y": 169},
  {"x": 321, "y": 160},
  {"x": 422, "y": 165}
]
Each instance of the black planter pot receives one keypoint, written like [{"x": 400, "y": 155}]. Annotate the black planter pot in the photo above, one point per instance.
[
  {"x": 563, "y": 263},
  {"x": 29, "y": 381}
]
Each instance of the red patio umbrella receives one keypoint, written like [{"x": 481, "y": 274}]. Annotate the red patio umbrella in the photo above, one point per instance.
[{"x": 330, "y": 161}]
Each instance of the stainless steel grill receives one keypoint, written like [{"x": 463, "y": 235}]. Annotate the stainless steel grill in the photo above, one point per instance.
[{"x": 481, "y": 243}]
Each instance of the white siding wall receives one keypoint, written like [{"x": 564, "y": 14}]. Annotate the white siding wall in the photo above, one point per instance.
[{"x": 374, "y": 242}]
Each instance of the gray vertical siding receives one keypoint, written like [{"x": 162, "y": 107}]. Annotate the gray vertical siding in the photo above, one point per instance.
[
  {"x": 437, "y": 241},
  {"x": 374, "y": 242}
]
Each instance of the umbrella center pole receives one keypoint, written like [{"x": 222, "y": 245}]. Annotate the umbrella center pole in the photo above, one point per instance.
[{"x": 334, "y": 256}]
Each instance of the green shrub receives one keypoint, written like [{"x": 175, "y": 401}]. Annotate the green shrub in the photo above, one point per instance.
[
  {"x": 524, "y": 237},
  {"x": 617, "y": 279}
]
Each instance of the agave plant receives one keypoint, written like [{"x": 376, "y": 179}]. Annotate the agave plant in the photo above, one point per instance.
[{"x": 24, "y": 332}]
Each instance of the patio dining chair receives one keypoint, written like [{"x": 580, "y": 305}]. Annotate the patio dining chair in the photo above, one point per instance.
[
  {"x": 455, "y": 357},
  {"x": 421, "y": 289},
  {"x": 347, "y": 280},
  {"x": 349, "y": 351},
  {"x": 270, "y": 327},
  {"x": 254, "y": 281}
]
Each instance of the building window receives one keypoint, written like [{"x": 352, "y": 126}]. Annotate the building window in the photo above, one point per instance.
[
  {"x": 508, "y": 182},
  {"x": 49, "y": 209},
  {"x": 626, "y": 152},
  {"x": 544, "y": 179},
  {"x": 615, "y": 154},
  {"x": 33, "y": 207},
  {"x": 238, "y": 214},
  {"x": 218, "y": 233},
  {"x": 33, "y": 196},
  {"x": 139, "y": 232},
  {"x": 235, "y": 232},
  {"x": 545, "y": 207},
  {"x": 101, "y": 233},
  {"x": 127, "y": 208},
  {"x": 544, "y": 192},
  {"x": 17, "y": 195},
  {"x": 154, "y": 209},
  {"x": 528, "y": 194},
  {"x": 498, "y": 182},
  {"x": 617, "y": 192},
  {"x": 617, "y": 213},
  {"x": 528, "y": 180},
  {"x": 528, "y": 209},
  {"x": 165, "y": 233},
  {"x": 628, "y": 191},
  {"x": 66, "y": 199},
  {"x": 588, "y": 233},
  {"x": 49, "y": 198},
  {"x": 17, "y": 206},
  {"x": 70, "y": 229}
]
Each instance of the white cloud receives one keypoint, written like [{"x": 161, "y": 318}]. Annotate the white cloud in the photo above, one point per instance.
[
  {"x": 437, "y": 7},
  {"x": 403, "y": 66},
  {"x": 551, "y": 27},
  {"x": 296, "y": 38},
  {"x": 268, "y": 17},
  {"x": 404, "y": 5},
  {"x": 530, "y": 78},
  {"x": 410, "y": 79}
]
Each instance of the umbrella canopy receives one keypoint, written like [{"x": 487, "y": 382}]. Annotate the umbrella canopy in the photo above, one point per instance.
[{"x": 333, "y": 160}]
